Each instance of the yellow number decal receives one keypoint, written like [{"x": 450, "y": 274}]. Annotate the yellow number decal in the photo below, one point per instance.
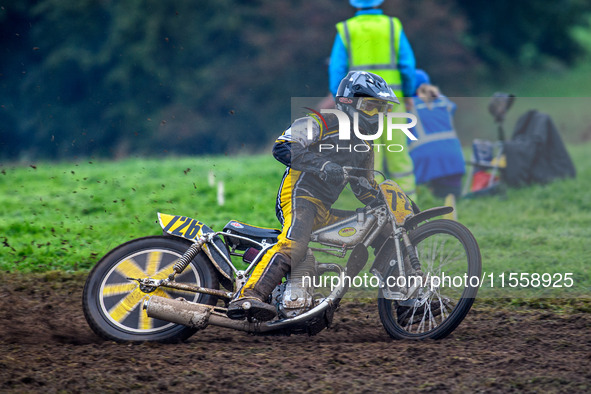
[
  {"x": 181, "y": 226},
  {"x": 397, "y": 200}
]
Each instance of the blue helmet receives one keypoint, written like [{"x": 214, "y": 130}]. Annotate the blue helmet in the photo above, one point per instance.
[
  {"x": 421, "y": 77},
  {"x": 365, "y": 3}
]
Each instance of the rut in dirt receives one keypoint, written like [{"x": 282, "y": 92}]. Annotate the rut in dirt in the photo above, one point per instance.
[{"x": 46, "y": 345}]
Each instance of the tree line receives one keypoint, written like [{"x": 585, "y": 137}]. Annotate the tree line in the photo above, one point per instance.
[{"x": 107, "y": 78}]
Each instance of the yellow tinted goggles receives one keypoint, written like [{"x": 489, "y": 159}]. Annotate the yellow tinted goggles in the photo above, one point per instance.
[{"x": 372, "y": 106}]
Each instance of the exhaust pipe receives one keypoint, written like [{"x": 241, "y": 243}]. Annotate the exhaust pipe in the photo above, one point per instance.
[
  {"x": 178, "y": 311},
  {"x": 199, "y": 316},
  {"x": 194, "y": 315},
  {"x": 181, "y": 311}
]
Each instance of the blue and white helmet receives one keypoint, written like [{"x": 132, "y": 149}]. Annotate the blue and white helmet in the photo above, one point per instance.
[
  {"x": 365, "y": 84},
  {"x": 367, "y": 95}
]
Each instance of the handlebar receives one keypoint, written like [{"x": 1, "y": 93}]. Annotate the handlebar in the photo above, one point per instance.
[
  {"x": 361, "y": 180},
  {"x": 347, "y": 169}
]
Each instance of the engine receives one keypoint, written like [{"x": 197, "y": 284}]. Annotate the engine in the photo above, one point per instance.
[{"x": 296, "y": 295}]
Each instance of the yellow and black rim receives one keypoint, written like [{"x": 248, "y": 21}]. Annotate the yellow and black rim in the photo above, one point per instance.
[{"x": 121, "y": 299}]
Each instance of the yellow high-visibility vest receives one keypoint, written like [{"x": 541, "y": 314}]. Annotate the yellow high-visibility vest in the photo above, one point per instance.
[{"x": 372, "y": 43}]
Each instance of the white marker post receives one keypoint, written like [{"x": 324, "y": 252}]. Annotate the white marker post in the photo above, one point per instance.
[
  {"x": 220, "y": 193},
  {"x": 211, "y": 178}
]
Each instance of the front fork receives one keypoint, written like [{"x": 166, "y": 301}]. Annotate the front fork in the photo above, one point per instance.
[
  {"x": 400, "y": 233},
  {"x": 411, "y": 252}
]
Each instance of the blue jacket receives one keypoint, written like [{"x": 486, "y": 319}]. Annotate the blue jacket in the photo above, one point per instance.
[
  {"x": 339, "y": 61},
  {"x": 437, "y": 152}
]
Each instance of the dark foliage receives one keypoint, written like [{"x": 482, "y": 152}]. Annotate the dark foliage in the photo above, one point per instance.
[
  {"x": 509, "y": 32},
  {"x": 113, "y": 78}
]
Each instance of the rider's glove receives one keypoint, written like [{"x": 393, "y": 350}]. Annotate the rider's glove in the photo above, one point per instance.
[
  {"x": 333, "y": 174},
  {"x": 376, "y": 201}
]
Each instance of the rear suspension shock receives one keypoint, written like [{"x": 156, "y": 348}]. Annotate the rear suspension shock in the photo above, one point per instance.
[{"x": 186, "y": 258}]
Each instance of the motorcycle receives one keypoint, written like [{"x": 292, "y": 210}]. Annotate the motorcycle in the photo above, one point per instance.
[{"x": 165, "y": 288}]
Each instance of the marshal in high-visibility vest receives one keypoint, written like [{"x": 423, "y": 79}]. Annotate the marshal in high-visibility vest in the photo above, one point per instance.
[
  {"x": 372, "y": 45},
  {"x": 376, "y": 43}
]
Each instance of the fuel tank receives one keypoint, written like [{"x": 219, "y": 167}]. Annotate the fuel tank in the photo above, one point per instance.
[{"x": 349, "y": 232}]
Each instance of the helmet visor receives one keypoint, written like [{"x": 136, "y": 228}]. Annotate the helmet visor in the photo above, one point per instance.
[{"x": 372, "y": 106}]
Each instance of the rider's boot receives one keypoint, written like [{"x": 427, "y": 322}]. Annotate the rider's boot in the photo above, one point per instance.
[{"x": 251, "y": 299}]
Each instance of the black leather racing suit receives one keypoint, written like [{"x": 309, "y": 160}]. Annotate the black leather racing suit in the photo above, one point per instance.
[{"x": 304, "y": 199}]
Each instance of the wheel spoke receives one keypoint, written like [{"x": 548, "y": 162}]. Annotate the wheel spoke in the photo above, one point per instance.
[
  {"x": 441, "y": 308},
  {"x": 124, "y": 307},
  {"x": 154, "y": 259},
  {"x": 432, "y": 318},
  {"x": 129, "y": 268},
  {"x": 421, "y": 327},
  {"x": 118, "y": 288},
  {"x": 145, "y": 322},
  {"x": 164, "y": 272},
  {"x": 451, "y": 258}
]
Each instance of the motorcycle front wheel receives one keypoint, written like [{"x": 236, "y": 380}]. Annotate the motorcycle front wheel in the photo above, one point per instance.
[
  {"x": 113, "y": 303},
  {"x": 450, "y": 259}
]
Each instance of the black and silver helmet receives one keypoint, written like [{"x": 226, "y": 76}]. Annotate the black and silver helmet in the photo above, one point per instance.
[{"x": 367, "y": 94}]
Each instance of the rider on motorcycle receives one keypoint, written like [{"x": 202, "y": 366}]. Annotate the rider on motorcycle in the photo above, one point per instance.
[{"x": 313, "y": 180}]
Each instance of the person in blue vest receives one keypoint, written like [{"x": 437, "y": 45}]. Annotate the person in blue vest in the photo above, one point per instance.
[
  {"x": 374, "y": 42},
  {"x": 437, "y": 152}
]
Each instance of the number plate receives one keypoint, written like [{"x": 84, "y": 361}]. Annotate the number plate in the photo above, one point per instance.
[
  {"x": 180, "y": 226},
  {"x": 397, "y": 200}
]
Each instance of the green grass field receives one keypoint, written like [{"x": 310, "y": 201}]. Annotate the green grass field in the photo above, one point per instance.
[{"x": 65, "y": 216}]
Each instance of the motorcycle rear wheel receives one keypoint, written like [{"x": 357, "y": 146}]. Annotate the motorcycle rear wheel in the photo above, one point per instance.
[
  {"x": 445, "y": 248},
  {"x": 113, "y": 304}
]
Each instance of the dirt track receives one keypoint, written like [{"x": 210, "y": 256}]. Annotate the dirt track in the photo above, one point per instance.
[{"x": 46, "y": 345}]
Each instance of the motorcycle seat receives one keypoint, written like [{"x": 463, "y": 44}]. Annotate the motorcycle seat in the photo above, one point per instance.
[{"x": 259, "y": 234}]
